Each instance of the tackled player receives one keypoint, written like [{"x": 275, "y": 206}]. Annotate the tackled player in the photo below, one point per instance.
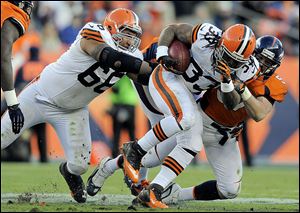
[{"x": 206, "y": 50}]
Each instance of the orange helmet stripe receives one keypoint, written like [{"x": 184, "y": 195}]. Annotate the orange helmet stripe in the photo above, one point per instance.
[{"x": 245, "y": 41}]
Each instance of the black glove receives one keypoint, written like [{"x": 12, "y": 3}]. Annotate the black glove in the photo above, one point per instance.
[
  {"x": 224, "y": 70},
  {"x": 169, "y": 64},
  {"x": 16, "y": 117}
]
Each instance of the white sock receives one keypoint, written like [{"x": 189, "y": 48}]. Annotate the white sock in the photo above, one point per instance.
[
  {"x": 112, "y": 165},
  {"x": 164, "y": 177},
  {"x": 148, "y": 141},
  {"x": 186, "y": 194},
  {"x": 160, "y": 132},
  {"x": 143, "y": 174}
]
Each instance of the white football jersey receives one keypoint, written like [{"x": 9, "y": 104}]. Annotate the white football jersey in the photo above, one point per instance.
[
  {"x": 200, "y": 74},
  {"x": 76, "y": 78}
]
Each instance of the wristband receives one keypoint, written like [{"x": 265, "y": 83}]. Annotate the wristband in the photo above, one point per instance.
[
  {"x": 162, "y": 51},
  {"x": 227, "y": 87},
  {"x": 246, "y": 94},
  {"x": 11, "y": 97}
]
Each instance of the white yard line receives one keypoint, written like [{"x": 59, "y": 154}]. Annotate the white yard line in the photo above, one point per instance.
[{"x": 111, "y": 199}]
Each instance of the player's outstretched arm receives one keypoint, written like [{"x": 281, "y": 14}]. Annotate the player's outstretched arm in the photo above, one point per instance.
[
  {"x": 9, "y": 34},
  {"x": 143, "y": 78},
  {"x": 257, "y": 108},
  {"x": 119, "y": 61}
]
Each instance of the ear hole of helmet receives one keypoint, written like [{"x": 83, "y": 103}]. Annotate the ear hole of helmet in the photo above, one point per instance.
[{"x": 109, "y": 27}]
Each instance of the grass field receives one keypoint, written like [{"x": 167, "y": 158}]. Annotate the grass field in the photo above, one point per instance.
[{"x": 39, "y": 187}]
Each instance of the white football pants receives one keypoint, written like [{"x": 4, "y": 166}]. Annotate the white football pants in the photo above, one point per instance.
[{"x": 71, "y": 126}]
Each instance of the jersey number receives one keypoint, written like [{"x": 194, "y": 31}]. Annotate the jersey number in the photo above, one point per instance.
[{"x": 89, "y": 78}]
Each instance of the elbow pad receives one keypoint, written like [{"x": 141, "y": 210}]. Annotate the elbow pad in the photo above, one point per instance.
[{"x": 120, "y": 62}]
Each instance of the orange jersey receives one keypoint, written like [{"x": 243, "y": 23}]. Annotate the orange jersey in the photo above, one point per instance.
[
  {"x": 273, "y": 88},
  {"x": 9, "y": 10}
]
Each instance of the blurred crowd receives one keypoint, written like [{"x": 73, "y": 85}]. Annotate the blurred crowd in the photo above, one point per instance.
[{"x": 55, "y": 24}]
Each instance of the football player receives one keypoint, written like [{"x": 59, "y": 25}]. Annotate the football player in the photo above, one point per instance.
[
  {"x": 107, "y": 166},
  {"x": 215, "y": 57},
  {"x": 258, "y": 98},
  {"x": 96, "y": 60},
  {"x": 15, "y": 19}
]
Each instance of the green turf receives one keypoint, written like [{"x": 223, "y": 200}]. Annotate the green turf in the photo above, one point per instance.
[{"x": 258, "y": 182}]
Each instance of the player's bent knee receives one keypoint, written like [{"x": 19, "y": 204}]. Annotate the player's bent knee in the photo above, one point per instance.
[
  {"x": 77, "y": 169},
  {"x": 230, "y": 191},
  {"x": 187, "y": 121}
]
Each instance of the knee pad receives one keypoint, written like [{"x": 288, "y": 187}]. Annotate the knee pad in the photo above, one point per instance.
[
  {"x": 77, "y": 169},
  {"x": 187, "y": 121},
  {"x": 230, "y": 191}
]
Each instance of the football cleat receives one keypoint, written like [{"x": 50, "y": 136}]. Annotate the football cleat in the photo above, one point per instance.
[
  {"x": 136, "y": 188},
  {"x": 171, "y": 194},
  {"x": 75, "y": 183},
  {"x": 150, "y": 197},
  {"x": 132, "y": 161},
  {"x": 97, "y": 178}
]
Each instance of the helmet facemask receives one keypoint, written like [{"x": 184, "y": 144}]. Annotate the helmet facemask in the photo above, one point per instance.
[
  {"x": 27, "y": 7},
  {"x": 266, "y": 63},
  {"x": 135, "y": 39},
  {"x": 233, "y": 60}
]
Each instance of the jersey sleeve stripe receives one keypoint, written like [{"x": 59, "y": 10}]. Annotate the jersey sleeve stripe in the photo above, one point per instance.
[
  {"x": 89, "y": 34},
  {"x": 18, "y": 25},
  {"x": 195, "y": 32},
  {"x": 95, "y": 33},
  {"x": 92, "y": 37}
]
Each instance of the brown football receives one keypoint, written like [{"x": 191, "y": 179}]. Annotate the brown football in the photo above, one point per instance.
[{"x": 178, "y": 50}]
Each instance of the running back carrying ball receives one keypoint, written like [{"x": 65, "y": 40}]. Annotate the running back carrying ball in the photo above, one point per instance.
[{"x": 178, "y": 50}]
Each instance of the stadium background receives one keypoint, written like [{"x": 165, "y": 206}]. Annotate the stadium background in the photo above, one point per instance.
[{"x": 55, "y": 25}]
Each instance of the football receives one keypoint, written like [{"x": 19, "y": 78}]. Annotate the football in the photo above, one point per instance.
[{"x": 178, "y": 50}]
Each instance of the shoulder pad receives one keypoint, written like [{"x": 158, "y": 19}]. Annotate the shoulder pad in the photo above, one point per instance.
[
  {"x": 207, "y": 34},
  {"x": 94, "y": 26}
]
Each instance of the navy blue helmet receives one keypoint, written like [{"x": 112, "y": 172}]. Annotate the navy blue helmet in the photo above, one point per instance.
[
  {"x": 269, "y": 52},
  {"x": 27, "y": 6}
]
